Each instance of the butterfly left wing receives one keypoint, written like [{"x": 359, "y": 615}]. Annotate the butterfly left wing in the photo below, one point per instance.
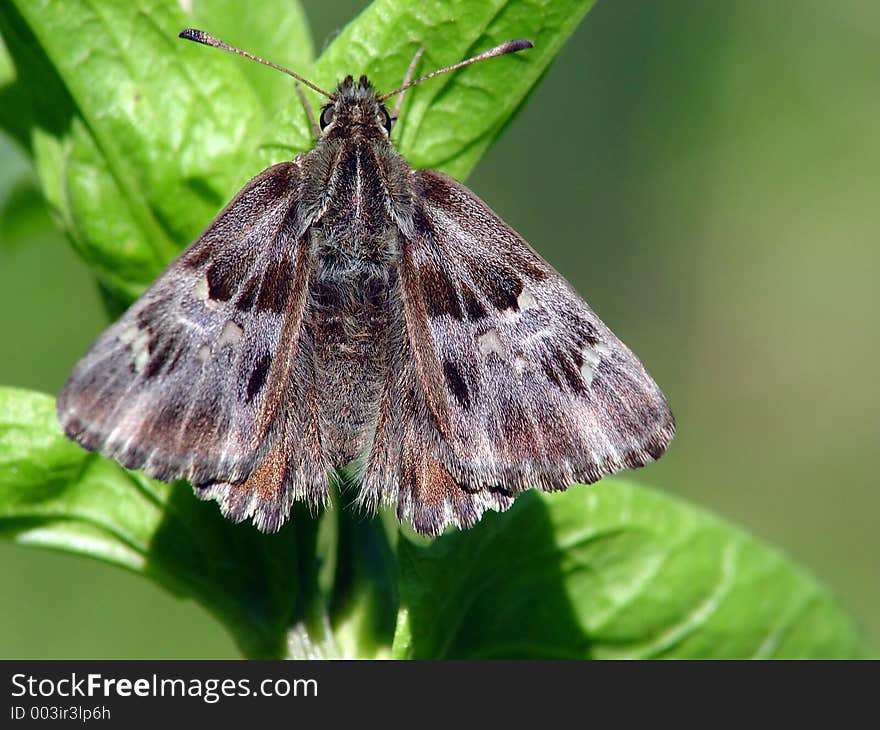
[
  {"x": 192, "y": 381},
  {"x": 505, "y": 379}
]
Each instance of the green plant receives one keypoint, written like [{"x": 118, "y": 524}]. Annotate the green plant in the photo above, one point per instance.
[{"x": 139, "y": 139}]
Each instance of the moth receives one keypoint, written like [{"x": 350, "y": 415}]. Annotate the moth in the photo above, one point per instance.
[{"x": 346, "y": 309}]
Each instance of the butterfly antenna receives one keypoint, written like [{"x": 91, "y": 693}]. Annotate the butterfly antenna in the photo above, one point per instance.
[
  {"x": 199, "y": 36},
  {"x": 518, "y": 44}
]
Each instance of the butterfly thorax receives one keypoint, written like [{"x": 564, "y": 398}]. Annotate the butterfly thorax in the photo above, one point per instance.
[{"x": 356, "y": 186}]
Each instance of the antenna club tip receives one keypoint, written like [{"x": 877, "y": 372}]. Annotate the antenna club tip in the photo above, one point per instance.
[
  {"x": 520, "y": 44},
  {"x": 193, "y": 34}
]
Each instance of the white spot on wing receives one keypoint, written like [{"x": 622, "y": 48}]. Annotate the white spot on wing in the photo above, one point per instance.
[
  {"x": 140, "y": 359},
  {"x": 526, "y": 301},
  {"x": 129, "y": 334},
  {"x": 592, "y": 357},
  {"x": 201, "y": 289},
  {"x": 204, "y": 353},
  {"x": 231, "y": 333},
  {"x": 138, "y": 341},
  {"x": 490, "y": 342}
]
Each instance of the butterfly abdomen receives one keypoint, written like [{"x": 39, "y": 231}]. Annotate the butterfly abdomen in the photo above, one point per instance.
[{"x": 349, "y": 323}]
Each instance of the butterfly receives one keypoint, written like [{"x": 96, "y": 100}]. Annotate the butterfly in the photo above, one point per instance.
[{"x": 346, "y": 309}]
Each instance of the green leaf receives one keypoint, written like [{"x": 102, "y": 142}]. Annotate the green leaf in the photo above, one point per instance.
[
  {"x": 137, "y": 140},
  {"x": 14, "y": 105},
  {"x": 611, "y": 571},
  {"x": 279, "y": 32},
  {"x": 24, "y": 215}
]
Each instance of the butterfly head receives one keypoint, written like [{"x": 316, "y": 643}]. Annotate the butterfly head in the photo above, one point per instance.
[{"x": 355, "y": 105}]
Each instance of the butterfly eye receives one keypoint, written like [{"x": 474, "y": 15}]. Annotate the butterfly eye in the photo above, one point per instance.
[
  {"x": 327, "y": 116},
  {"x": 384, "y": 119}
]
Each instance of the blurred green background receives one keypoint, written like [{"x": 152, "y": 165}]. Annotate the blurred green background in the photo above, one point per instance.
[{"x": 707, "y": 175}]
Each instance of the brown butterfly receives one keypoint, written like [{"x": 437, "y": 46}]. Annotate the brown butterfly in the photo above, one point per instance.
[{"x": 344, "y": 308}]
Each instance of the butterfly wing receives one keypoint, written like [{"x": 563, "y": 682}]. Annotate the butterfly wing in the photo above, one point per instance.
[
  {"x": 506, "y": 379},
  {"x": 188, "y": 383}
]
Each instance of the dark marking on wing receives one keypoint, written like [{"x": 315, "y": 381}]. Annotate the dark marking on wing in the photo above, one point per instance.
[
  {"x": 159, "y": 357},
  {"x": 561, "y": 369},
  {"x": 150, "y": 315},
  {"x": 198, "y": 255},
  {"x": 501, "y": 286},
  {"x": 258, "y": 377},
  {"x": 474, "y": 308},
  {"x": 529, "y": 264},
  {"x": 548, "y": 365},
  {"x": 276, "y": 287},
  {"x": 456, "y": 384},
  {"x": 586, "y": 333},
  {"x": 248, "y": 294},
  {"x": 222, "y": 280},
  {"x": 439, "y": 293},
  {"x": 571, "y": 374}
]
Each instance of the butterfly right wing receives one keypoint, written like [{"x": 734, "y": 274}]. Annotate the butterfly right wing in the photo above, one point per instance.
[
  {"x": 504, "y": 379},
  {"x": 189, "y": 381}
]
